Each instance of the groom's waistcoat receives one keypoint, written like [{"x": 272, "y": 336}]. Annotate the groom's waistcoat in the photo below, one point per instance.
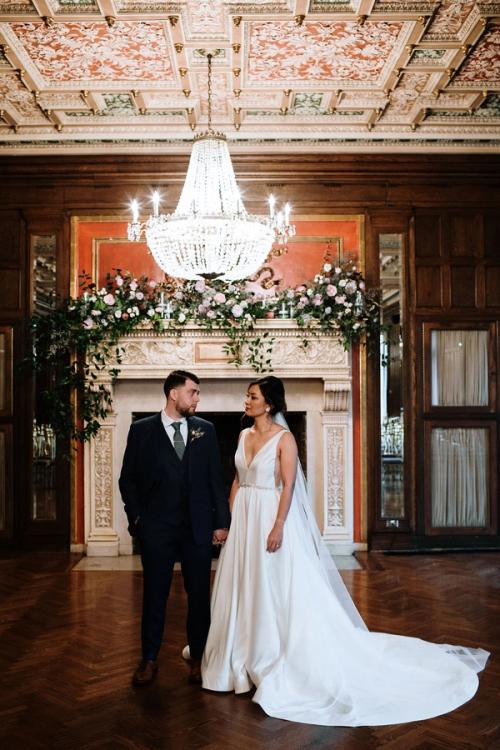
[{"x": 174, "y": 507}]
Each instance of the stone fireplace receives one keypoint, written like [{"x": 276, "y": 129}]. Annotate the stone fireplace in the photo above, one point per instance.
[{"x": 318, "y": 386}]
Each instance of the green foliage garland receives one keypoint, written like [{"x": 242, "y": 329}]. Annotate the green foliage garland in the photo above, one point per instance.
[{"x": 75, "y": 343}]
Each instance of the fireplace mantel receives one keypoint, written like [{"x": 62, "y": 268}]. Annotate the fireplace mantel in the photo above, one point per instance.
[
  {"x": 318, "y": 380},
  {"x": 149, "y": 352}
]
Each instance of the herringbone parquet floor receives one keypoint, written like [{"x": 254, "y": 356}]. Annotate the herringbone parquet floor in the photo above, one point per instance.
[{"x": 69, "y": 642}]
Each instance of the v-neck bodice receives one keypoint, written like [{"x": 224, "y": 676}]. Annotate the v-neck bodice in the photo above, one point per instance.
[{"x": 261, "y": 471}]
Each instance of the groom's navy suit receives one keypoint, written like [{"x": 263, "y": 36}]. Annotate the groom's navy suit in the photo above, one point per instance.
[{"x": 173, "y": 506}]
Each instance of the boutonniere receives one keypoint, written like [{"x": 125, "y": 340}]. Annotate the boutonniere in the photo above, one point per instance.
[{"x": 196, "y": 433}]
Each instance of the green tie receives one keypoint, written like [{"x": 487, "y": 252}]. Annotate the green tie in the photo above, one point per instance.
[{"x": 179, "y": 445}]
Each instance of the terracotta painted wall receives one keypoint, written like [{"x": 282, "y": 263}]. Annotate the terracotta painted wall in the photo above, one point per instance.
[{"x": 101, "y": 246}]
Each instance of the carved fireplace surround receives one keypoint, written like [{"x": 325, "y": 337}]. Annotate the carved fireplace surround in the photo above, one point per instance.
[{"x": 317, "y": 380}]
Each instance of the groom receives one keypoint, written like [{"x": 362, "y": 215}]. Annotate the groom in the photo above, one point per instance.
[{"x": 176, "y": 504}]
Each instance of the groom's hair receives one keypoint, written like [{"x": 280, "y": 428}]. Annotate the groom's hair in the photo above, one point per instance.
[{"x": 177, "y": 378}]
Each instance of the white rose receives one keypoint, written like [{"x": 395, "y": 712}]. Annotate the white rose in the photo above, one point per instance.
[
  {"x": 327, "y": 267},
  {"x": 181, "y": 318}
]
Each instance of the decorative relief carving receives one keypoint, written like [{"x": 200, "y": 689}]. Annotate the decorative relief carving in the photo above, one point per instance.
[
  {"x": 197, "y": 346},
  {"x": 335, "y": 492},
  {"x": 337, "y": 396},
  {"x": 157, "y": 352},
  {"x": 318, "y": 352},
  {"x": 103, "y": 478}
]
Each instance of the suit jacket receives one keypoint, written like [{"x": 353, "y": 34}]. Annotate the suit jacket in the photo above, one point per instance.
[{"x": 150, "y": 477}]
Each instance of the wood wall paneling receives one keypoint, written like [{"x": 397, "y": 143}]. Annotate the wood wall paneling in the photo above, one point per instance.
[
  {"x": 11, "y": 298},
  {"x": 465, "y": 235},
  {"x": 492, "y": 276},
  {"x": 427, "y": 235},
  {"x": 492, "y": 235},
  {"x": 429, "y": 285},
  {"x": 463, "y": 286},
  {"x": 6, "y": 482},
  {"x": 10, "y": 239}
]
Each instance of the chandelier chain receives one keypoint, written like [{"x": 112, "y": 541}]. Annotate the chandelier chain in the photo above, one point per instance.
[{"x": 209, "y": 57}]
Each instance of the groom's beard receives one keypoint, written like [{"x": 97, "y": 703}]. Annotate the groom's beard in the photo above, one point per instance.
[{"x": 187, "y": 411}]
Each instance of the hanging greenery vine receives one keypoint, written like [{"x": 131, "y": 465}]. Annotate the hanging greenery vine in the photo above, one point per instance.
[{"x": 77, "y": 342}]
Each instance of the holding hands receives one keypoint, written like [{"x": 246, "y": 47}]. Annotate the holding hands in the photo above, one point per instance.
[{"x": 219, "y": 536}]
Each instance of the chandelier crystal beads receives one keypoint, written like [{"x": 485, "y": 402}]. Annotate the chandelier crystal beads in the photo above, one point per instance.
[{"x": 210, "y": 234}]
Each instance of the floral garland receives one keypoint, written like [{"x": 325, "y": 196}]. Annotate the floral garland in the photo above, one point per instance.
[{"x": 76, "y": 342}]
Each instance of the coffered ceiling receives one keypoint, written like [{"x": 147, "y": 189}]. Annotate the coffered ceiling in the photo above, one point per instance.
[{"x": 289, "y": 75}]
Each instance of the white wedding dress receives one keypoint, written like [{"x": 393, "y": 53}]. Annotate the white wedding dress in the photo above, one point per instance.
[{"x": 278, "y": 625}]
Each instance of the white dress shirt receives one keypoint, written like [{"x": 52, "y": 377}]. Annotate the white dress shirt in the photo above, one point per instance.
[{"x": 167, "y": 424}]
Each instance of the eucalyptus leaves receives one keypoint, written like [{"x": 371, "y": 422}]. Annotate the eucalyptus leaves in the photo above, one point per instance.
[{"x": 79, "y": 340}]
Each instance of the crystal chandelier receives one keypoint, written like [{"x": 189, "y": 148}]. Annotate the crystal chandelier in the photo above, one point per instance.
[{"x": 210, "y": 234}]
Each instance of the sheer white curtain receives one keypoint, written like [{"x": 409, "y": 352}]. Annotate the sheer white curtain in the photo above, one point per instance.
[
  {"x": 459, "y": 368},
  {"x": 459, "y": 477}
]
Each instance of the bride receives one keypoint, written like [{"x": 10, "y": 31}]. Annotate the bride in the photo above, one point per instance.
[{"x": 283, "y": 621}]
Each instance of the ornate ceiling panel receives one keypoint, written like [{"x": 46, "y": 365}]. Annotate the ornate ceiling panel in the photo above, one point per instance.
[{"x": 310, "y": 75}]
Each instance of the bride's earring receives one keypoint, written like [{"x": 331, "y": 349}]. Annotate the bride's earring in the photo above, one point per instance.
[{"x": 268, "y": 409}]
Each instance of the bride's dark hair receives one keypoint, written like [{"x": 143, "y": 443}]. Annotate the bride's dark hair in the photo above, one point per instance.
[{"x": 273, "y": 391}]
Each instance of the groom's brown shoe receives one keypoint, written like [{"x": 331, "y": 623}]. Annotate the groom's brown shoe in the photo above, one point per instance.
[
  {"x": 195, "y": 672},
  {"x": 145, "y": 673}
]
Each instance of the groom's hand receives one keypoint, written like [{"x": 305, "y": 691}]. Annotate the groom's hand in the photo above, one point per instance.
[{"x": 219, "y": 536}]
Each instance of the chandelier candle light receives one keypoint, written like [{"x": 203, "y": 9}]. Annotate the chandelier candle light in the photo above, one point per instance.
[{"x": 210, "y": 234}]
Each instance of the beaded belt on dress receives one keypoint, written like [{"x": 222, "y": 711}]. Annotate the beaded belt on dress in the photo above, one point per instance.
[{"x": 257, "y": 486}]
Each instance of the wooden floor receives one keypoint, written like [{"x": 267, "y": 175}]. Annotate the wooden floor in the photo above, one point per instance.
[{"x": 69, "y": 642}]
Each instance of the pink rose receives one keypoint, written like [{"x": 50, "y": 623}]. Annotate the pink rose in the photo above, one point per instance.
[
  {"x": 331, "y": 290},
  {"x": 109, "y": 299},
  {"x": 220, "y": 297},
  {"x": 200, "y": 286}
]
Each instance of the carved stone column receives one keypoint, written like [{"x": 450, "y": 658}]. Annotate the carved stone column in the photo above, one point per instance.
[
  {"x": 101, "y": 538},
  {"x": 337, "y": 471}
]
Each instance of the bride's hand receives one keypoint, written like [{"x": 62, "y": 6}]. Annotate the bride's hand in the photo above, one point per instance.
[{"x": 275, "y": 538}]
